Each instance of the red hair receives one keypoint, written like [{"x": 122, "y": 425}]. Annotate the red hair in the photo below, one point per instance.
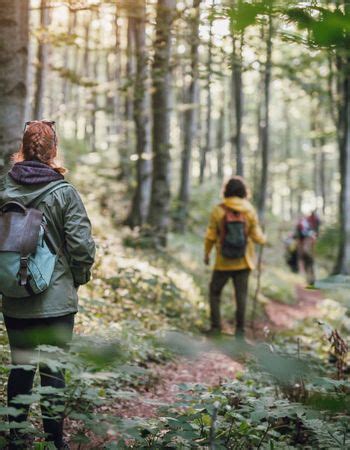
[{"x": 39, "y": 144}]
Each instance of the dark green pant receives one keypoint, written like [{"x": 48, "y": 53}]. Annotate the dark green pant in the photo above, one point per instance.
[{"x": 240, "y": 283}]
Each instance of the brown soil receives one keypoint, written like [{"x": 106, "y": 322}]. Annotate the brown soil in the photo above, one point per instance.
[
  {"x": 209, "y": 368},
  {"x": 283, "y": 316}
]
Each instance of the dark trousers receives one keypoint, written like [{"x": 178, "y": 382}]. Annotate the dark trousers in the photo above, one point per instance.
[
  {"x": 24, "y": 336},
  {"x": 240, "y": 283}
]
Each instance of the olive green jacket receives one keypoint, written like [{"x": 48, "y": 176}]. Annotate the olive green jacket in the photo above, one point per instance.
[{"x": 70, "y": 229}]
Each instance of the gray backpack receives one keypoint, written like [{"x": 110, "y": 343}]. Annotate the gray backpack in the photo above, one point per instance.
[{"x": 28, "y": 255}]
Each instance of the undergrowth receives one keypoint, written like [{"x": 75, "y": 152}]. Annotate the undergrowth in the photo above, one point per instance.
[{"x": 289, "y": 397}]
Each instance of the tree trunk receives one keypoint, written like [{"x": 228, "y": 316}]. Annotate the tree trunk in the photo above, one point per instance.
[
  {"x": 220, "y": 144},
  {"x": 67, "y": 58},
  {"x": 141, "y": 108},
  {"x": 86, "y": 72},
  {"x": 265, "y": 145},
  {"x": 314, "y": 146},
  {"x": 189, "y": 122},
  {"x": 237, "y": 102},
  {"x": 323, "y": 181},
  {"x": 207, "y": 144},
  {"x": 343, "y": 260},
  {"x": 13, "y": 74},
  {"x": 160, "y": 198},
  {"x": 42, "y": 62},
  {"x": 128, "y": 113}
]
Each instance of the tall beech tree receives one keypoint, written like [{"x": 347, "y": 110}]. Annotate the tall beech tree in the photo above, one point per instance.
[
  {"x": 13, "y": 74},
  {"x": 141, "y": 199},
  {"x": 189, "y": 130},
  {"x": 265, "y": 117},
  {"x": 208, "y": 117},
  {"x": 237, "y": 99},
  {"x": 42, "y": 62},
  {"x": 158, "y": 218}
]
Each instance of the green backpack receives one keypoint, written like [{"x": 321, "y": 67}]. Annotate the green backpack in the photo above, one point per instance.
[
  {"x": 233, "y": 234},
  {"x": 27, "y": 253}
]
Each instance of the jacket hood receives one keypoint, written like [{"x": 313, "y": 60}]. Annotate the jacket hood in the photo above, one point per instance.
[
  {"x": 25, "y": 193},
  {"x": 239, "y": 204},
  {"x": 33, "y": 172}
]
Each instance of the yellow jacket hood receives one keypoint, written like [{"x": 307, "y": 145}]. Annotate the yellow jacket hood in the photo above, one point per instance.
[{"x": 238, "y": 204}]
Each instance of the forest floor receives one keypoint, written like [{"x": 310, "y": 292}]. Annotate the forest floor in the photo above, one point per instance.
[
  {"x": 131, "y": 375},
  {"x": 170, "y": 289},
  {"x": 211, "y": 368}
]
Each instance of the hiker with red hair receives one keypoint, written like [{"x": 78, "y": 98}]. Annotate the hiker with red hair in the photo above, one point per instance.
[{"x": 48, "y": 214}]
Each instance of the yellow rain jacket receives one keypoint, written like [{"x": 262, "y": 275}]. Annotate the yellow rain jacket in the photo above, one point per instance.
[{"x": 255, "y": 235}]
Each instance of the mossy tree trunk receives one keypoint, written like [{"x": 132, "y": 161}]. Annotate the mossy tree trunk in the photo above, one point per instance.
[
  {"x": 158, "y": 218},
  {"x": 13, "y": 74},
  {"x": 189, "y": 122},
  {"x": 141, "y": 106}
]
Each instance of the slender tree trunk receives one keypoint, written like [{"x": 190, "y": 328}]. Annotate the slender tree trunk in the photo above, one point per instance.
[
  {"x": 323, "y": 181},
  {"x": 13, "y": 74},
  {"x": 94, "y": 90},
  {"x": 141, "y": 107},
  {"x": 86, "y": 72},
  {"x": 191, "y": 94},
  {"x": 207, "y": 144},
  {"x": 118, "y": 73},
  {"x": 343, "y": 260},
  {"x": 265, "y": 145},
  {"x": 42, "y": 62},
  {"x": 220, "y": 142},
  {"x": 160, "y": 198},
  {"x": 314, "y": 146},
  {"x": 67, "y": 58},
  {"x": 128, "y": 113},
  {"x": 237, "y": 102}
]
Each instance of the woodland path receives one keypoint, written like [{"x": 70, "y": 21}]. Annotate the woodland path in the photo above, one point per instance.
[
  {"x": 213, "y": 367},
  {"x": 209, "y": 368}
]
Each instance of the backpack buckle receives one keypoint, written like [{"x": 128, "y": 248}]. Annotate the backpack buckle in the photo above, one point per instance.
[{"x": 23, "y": 270}]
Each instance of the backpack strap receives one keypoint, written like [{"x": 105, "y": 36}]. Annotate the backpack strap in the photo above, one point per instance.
[{"x": 35, "y": 203}]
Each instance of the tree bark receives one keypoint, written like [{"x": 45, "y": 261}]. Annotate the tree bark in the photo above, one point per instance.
[
  {"x": 207, "y": 144},
  {"x": 237, "y": 102},
  {"x": 323, "y": 180},
  {"x": 161, "y": 72},
  {"x": 67, "y": 58},
  {"x": 141, "y": 108},
  {"x": 265, "y": 131},
  {"x": 220, "y": 144},
  {"x": 191, "y": 95},
  {"x": 13, "y": 74},
  {"x": 42, "y": 62},
  {"x": 343, "y": 260},
  {"x": 128, "y": 112}
]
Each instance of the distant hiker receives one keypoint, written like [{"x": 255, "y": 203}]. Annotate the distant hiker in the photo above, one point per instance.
[
  {"x": 46, "y": 227},
  {"x": 314, "y": 222},
  {"x": 306, "y": 232},
  {"x": 233, "y": 229}
]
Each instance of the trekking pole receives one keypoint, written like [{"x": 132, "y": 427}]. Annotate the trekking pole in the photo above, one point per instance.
[{"x": 258, "y": 286}]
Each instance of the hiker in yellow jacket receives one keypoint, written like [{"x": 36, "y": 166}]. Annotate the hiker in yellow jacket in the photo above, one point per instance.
[{"x": 235, "y": 255}]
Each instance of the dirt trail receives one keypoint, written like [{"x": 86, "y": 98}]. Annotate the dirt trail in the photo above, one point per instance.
[
  {"x": 283, "y": 316},
  {"x": 211, "y": 368}
]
